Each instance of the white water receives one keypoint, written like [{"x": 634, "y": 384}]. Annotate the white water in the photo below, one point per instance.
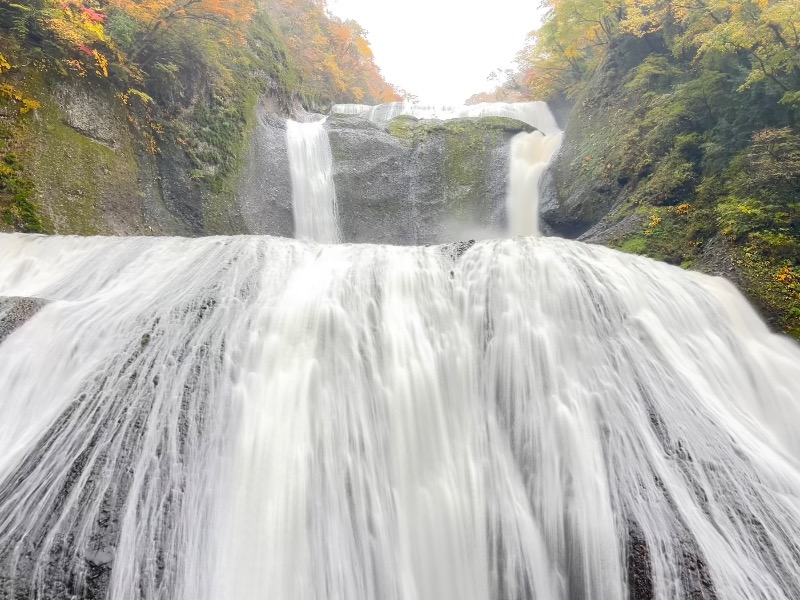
[
  {"x": 536, "y": 114},
  {"x": 247, "y": 418},
  {"x": 531, "y": 153},
  {"x": 313, "y": 191}
]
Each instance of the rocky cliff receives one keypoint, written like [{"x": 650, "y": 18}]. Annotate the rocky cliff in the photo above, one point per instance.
[
  {"x": 91, "y": 174},
  {"x": 419, "y": 181}
]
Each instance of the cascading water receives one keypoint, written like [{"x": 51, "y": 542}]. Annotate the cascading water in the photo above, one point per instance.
[
  {"x": 243, "y": 418},
  {"x": 530, "y": 152},
  {"x": 313, "y": 191}
]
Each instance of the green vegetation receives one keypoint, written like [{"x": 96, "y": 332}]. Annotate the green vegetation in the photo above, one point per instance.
[
  {"x": 411, "y": 130},
  {"x": 689, "y": 113},
  {"x": 17, "y": 210}
]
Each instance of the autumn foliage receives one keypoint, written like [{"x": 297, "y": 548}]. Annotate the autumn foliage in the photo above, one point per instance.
[
  {"x": 687, "y": 113},
  {"x": 333, "y": 56},
  {"x": 157, "y": 13},
  {"x": 151, "y": 42},
  {"x": 760, "y": 35}
]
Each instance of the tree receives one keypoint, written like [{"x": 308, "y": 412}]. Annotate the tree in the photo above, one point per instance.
[
  {"x": 157, "y": 15},
  {"x": 570, "y": 42},
  {"x": 767, "y": 33}
]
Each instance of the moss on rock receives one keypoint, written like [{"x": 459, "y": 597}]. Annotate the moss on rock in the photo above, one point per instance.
[
  {"x": 411, "y": 130},
  {"x": 84, "y": 185},
  {"x": 468, "y": 146},
  {"x": 161, "y": 157}
]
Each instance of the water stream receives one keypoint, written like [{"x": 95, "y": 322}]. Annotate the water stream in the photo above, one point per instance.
[{"x": 313, "y": 190}]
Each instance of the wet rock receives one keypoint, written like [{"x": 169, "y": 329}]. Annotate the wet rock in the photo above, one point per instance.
[
  {"x": 15, "y": 311},
  {"x": 264, "y": 196},
  {"x": 409, "y": 182},
  {"x": 372, "y": 172},
  {"x": 716, "y": 258},
  {"x": 696, "y": 579},
  {"x": 570, "y": 205},
  {"x": 456, "y": 250},
  {"x": 610, "y": 233},
  {"x": 420, "y": 181},
  {"x": 102, "y": 556},
  {"x": 640, "y": 569}
]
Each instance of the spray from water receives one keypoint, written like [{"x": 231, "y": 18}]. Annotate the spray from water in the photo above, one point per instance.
[
  {"x": 313, "y": 190},
  {"x": 248, "y": 418}
]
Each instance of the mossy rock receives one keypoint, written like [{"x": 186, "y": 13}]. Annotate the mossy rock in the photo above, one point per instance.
[
  {"x": 417, "y": 181},
  {"x": 410, "y": 130}
]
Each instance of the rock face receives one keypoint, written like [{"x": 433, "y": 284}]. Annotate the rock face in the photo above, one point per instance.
[
  {"x": 15, "y": 311},
  {"x": 418, "y": 181},
  {"x": 264, "y": 195},
  {"x": 574, "y": 198},
  {"x": 409, "y": 182},
  {"x": 612, "y": 232},
  {"x": 88, "y": 113},
  {"x": 91, "y": 173},
  {"x": 571, "y": 206},
  {"x": 93, "y": 169},
  {"x": 582, "y": 185},
  {"x": 373, "y": 179}
]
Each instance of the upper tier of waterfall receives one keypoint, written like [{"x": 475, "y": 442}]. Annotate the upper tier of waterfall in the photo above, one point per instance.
[
  {"x": 247, "y": 418},
  {"x": 536, "y": 114}
]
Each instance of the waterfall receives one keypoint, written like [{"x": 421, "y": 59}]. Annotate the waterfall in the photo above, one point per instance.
[
  {"x": 530, "y": 156},
  {"x": 246, "y": 418},
  {"x": 313, "y": 191},
  {"x": 530, "y": 153}
]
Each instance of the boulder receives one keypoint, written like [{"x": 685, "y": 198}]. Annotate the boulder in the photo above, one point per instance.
[
  {"x": 418, "y": 181},
  {"x": 264, "y": 195}
]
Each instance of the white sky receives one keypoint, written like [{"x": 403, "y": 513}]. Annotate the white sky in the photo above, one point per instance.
[{"x": 442, "y": 50}]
